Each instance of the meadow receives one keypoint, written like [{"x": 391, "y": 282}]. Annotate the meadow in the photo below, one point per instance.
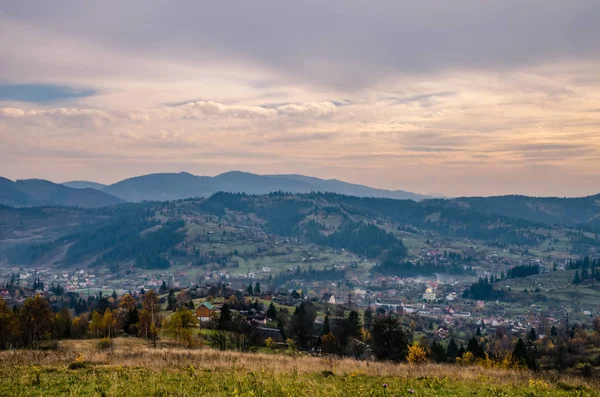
[{"x": 133, "y": 368}]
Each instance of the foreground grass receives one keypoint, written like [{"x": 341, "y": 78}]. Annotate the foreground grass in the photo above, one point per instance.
[{"x": 134, "y": 369}]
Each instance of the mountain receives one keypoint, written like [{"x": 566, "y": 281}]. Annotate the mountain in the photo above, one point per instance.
[
  {"x": 580, "y": 211},
  {"x": 372, "y": 228},
  {"x": 11, "y": 195},
  {"x": 350, "y": 189},
  {"x": 172, "y": 186},
  {"x": 160, "y": 187},
  {"x": 84, "y": 185},
  {"x": 35, "y": 192}
]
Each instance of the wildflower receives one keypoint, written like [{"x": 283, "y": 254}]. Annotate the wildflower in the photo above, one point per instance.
[
  {"x": 411, "y": 391},
  {"x": 385, "y": 385}
]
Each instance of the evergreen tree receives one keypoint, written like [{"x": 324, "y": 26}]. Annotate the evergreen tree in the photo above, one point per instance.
[
  {"x": 249, "y": 289},
  {"x": 352, "y": 325},
  {"x": 576, "y": 278},
  {"x": 368, "y": 318},
  {"x": 272, "y": 311},
  {"x": 171, "y": 301},
  {"x": 452, "y": 350},
  {"x": 225, "y": 318},
  {"x": 532, "y": 335},
  {"x": 326, "y": 326},
  {"x": 257, "y": 288},
  {"x": 519, "y": 353}
]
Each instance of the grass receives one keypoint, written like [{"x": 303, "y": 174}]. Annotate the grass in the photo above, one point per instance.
[{"x": 135, "y": 369}]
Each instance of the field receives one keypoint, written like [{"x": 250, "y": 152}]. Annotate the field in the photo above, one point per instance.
[{"x": 133, "y": 368}]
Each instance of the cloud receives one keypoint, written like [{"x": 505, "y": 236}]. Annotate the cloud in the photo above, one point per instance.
[
  {"x": 318, "y": 136},
  {"x": 437, "y": 96}
]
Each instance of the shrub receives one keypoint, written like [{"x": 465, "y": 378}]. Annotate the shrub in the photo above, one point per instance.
[
  {"x": 105, "y": 343},
  {"x": 416, "y": 355}
]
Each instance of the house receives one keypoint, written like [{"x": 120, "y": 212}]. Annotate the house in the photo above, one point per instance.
[
  {"x": 328, "y": 298},
  {"x": 205, "y": 311}
]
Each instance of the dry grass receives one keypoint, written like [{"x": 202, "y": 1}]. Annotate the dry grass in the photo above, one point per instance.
[{"x": 137, "y": 353}]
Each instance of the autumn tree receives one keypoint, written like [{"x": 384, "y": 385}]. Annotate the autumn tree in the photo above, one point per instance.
[
  {"x": 35, "y": 320},
  {"x": 180, "y": 325},
  {"x": 149, "y": 324},
  {"x": 63, "y": 324},
  {"x": 8, "y": 325}
]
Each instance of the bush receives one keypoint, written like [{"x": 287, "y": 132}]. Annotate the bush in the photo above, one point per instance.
[
  {"x": 416, "y": 355},
  {"x": 105, "y": 343}
]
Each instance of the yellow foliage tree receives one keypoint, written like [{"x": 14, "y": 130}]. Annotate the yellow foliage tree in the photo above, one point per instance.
[{"x": 416, "y": 355}]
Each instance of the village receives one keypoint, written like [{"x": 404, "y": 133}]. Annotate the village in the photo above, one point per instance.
[{"x": 436, "y": 305}]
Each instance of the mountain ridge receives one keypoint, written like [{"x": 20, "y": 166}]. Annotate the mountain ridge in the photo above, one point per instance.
[
  {"x": 39, "y": 192},
  {"x": 172, "y": 186}
]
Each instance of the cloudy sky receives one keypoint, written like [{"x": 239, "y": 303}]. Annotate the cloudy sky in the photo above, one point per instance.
[{"x": 461, "y": 97}]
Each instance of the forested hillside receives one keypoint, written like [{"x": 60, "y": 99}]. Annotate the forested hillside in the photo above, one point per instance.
[{"x": 153, "y": 234}]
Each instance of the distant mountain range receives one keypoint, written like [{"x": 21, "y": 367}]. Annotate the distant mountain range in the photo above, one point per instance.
[
  {"x": 84, "y": 185},
  {"x": 584, "y": 211},
  {"x": 173, "y": 186},
  {"x": 38, "y": 192}
]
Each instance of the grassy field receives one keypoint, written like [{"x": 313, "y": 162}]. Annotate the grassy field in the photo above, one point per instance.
[{"x": 133, "y": 368}]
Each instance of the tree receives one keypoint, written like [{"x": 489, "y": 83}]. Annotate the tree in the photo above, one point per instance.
[
  {"x": 225, "y": 318},
  {"x": 576, "y": 278},
  {"x": 475, "y": 348},
  {"x": 326, "y": 326},
  {"x": 301, "y": 324},
  {"x": 416, "y": 355},
  {"x": 390, "y": 339},
  {"x": 519, "y": 353},
  {"x": 8, "y": 325},
  {"x": 96, "y": 327},
  {"x": 272, "y": 311},
  {"x": 109, "y": 323},
  {"x": 353, "y": 326},
  {"x": 257, "y": 288},
  {"x": 180, "y": 325},
  {"x": 368, "y": 318},
  {"x": 249, "y": 289},
  {"x": 163, "y": 287},
  {"x": 171, "y": 301},
  {"x": 532, "y": 335},
  {"x": 452, "y": 351},
  {"x": 150, "y": 317},
  {"x": 63, "y": 324},
  {"x": 35, "y": 320}
]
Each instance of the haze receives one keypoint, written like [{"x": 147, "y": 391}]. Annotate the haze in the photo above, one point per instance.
[{"x": 455, "y": 98}]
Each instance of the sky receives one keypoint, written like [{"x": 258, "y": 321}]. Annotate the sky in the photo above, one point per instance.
[{"x": 462, "y": 97}]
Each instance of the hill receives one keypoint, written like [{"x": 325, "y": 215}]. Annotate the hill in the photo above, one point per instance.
[
  {"x": 582, "y": 211},
  {"x": 84, "y": 185},
  {"x": 157, "y": 235},
  {"x": 10, "y": 194},
  {"x": 173, "y": 186},
  {"x": 36, "y": 192},
  {"x": 49, "y": 193}
]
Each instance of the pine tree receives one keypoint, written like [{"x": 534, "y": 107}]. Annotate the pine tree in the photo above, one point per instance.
[
  {"x": 532, "y": 335},
  {"x": 225, "y": 318},
  {"x": 576, "y": 278},
  {"x": 272, "y": 312},
  {"x": 452, "y": 350},
  {"x": 257, "y": 288},
  {"x": 368, "y": 318},
  {"x": 249, "y": 289},
  {"x": 171, "y": 301},
  {"x": 326, "y": 326}
]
